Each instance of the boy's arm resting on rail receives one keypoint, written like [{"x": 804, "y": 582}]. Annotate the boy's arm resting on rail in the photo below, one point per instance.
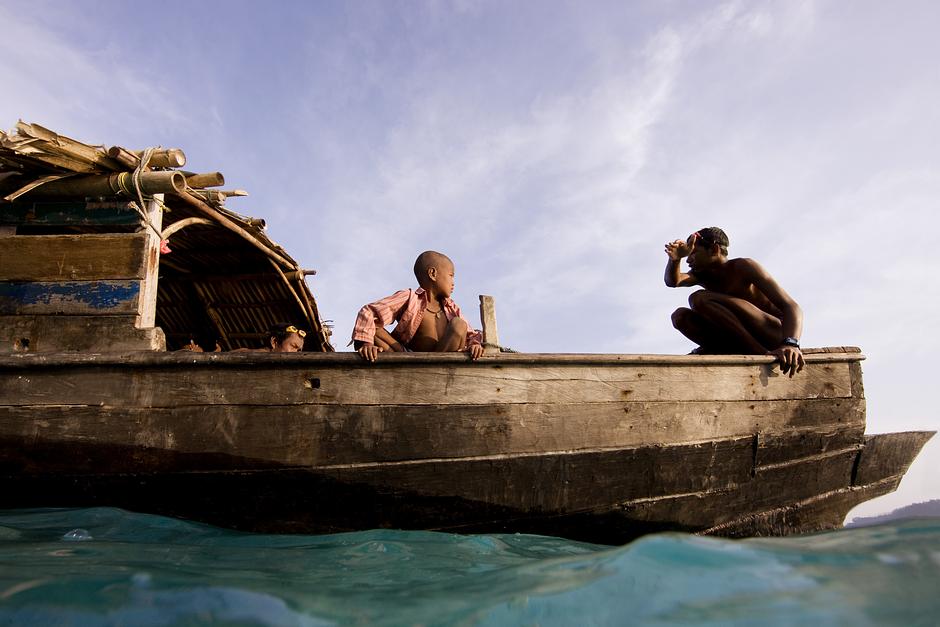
[
  {"x": 376, "y": 316},
  {"x": 673, "y": 277},
  {"x": 791, "y": 316},
  {"x": 386, "y": 341}
]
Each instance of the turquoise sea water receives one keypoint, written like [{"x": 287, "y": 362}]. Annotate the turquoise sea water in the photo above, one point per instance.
[{"x": 111, "y": 567}]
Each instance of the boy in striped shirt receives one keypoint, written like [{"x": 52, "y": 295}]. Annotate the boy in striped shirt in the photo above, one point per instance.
[{"x": 428, "y": 320}]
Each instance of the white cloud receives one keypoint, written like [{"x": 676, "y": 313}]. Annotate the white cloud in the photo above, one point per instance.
[{"x": 94, "y": 92}]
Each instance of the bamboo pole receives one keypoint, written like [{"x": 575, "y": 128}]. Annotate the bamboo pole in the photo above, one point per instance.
[
  {"x": 167, "y": 158},
  {"x": 112, "y": 185},
  {"x": 308, "y": 313},
  {"x": 209, "y": 195},
  {"x": 213, "y": 315},
  {"x": 125, "y": 157},
  {"x": 51, "y": 145},
  {"x": 182, "y": 224},
  {"x": 294, "y": 275},
  {"x": 214, "y": 214},
  {"x": 209, "y": 179}
]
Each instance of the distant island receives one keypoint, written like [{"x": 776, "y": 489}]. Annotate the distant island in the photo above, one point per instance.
[{"x": 927, "y": 509}]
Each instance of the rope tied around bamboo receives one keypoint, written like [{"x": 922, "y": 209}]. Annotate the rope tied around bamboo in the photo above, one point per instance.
[{"x": 104, "y": 185}]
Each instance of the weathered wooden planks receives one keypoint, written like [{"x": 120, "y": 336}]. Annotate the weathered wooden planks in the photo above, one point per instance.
[
  {"x": 147, "y": 305},
  {"x": 395, "y": 360},
  {"x": 819, "y": 512},
  {"x": 654, "y": 480},
  {"x": 283, "y": 499},
  {"x": 69, "y": 297},
  {"x": 808, "y": 494},
  {"x": 488, "y": 321},
  {"x": 45, "y": 334},
  {"x": 588, "y": 446},
  {"x": 313, "y": 435},
  {"x": 69, "y": 213},
  {"x": 72, "y": 257},
  {"x": 427, "y": 384},
  {"x": 888, "y": 454}
]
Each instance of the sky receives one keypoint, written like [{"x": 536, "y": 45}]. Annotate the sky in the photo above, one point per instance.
[{"x": 550, "y": 148}]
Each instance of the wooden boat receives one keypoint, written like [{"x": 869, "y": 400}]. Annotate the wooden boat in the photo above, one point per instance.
[{"x": 95, "y": 411}]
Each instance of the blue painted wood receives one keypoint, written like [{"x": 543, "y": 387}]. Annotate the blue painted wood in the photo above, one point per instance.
[
  {"x": 70, "y": 213},
  {"x": 69, "y": 297}
]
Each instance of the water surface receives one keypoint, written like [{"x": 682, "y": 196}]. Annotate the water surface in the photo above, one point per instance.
[{"x": 104, "y": 566}]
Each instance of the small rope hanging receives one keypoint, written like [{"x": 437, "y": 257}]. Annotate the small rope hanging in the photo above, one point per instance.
[{"x": 135, "y": 178}]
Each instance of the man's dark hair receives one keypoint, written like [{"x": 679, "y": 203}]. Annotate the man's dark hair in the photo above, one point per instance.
[{"x": 712, "y": 235}]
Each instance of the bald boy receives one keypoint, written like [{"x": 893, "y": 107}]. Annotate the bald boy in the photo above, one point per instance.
[
  {"x": 741, "y": 308},
  {"x": 428, "y": 319}
]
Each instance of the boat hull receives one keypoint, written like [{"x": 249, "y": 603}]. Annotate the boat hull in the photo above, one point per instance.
[{"x": 600, "y": 448}]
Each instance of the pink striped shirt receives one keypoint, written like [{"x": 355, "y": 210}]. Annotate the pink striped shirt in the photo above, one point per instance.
[{"x": 407, "y": 308}]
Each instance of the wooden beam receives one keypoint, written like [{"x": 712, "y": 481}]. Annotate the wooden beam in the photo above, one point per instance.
[
  {"x": 194, "y": 381},
  {"x": 68, "y": 213},
  {"x": 77, "y": 333},
  {"x": 488, "y": 319},
  {"x": 317, "y": 435},
  {"x": 69, "y": 297},
  {"x": 73, "y": 257},
  {"x": 147, "y": 305},
  {"x": 758, "y": 365}
]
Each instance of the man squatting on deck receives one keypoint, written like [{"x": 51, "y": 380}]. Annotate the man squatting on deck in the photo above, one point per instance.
[
  {"x": 741, "y": 309},
  {"x": 428, "y": 320}
]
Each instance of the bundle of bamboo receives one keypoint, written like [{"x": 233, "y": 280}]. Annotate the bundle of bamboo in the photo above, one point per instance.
[
  {"x": 96, "y": 218},
  {"x": 42, "y": 159}
]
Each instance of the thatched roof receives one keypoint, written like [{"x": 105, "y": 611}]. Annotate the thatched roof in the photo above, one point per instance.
[{"x": 224, "y": 278}]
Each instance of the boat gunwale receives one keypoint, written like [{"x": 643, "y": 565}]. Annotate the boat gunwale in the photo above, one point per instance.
[{"x": 144, "y": 359}]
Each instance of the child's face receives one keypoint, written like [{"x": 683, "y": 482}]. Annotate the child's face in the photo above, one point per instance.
[
  {"x": 293, "y": 343},
  {"x": 444, "y": 278}
]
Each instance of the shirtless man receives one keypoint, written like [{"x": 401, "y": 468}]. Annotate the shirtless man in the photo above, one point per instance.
[
  {"x": 428, "y": 320},
  {"x": 741, "y": 309}
]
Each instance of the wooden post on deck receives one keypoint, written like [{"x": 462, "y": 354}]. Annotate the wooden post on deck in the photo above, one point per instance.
[
  {"x": 147, "y": 306},
  {"x": 488, "y": 318}
]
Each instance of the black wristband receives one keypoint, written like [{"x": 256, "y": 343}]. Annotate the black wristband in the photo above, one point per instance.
[{"x": 790, "y": 341}]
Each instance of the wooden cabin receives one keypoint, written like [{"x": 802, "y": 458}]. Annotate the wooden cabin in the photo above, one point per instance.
[{"x": 99, "y": 254}]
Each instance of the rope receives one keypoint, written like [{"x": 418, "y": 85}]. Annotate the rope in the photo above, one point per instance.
[{"x": 135, "y": 189}]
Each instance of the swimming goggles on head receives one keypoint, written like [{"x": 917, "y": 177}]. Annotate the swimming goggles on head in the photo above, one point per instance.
[
  {"x": 293, "y": 329},
  {"x": 698, "y": 236}
]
